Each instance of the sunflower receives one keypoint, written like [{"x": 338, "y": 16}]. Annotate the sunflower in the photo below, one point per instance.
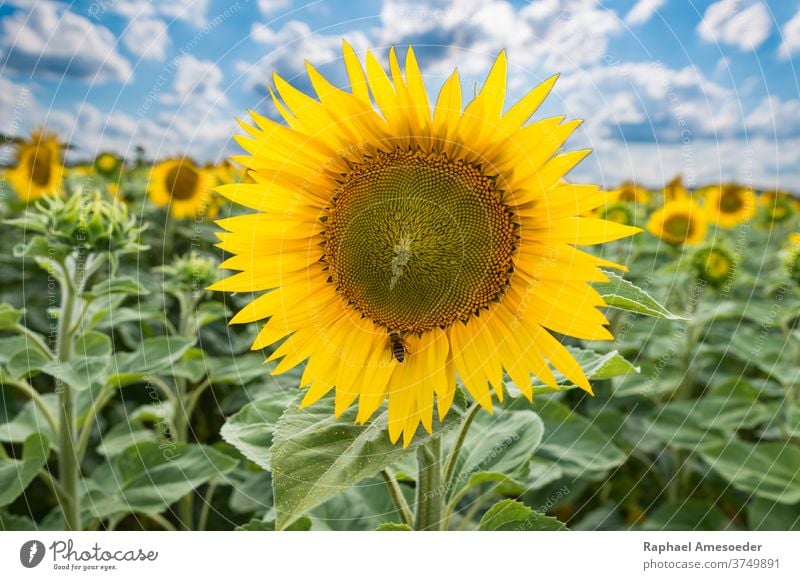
[
  {"x": 730, "y": 204},
  {"x": 778, "y": 207},
  {"x": 39, "y": 169},
  {"x": 681, "y": 221},
  {"x": 107, "y": 164},
  {"x": 180, "y": 184},
  {"x": 401, "y": 245},
  {"x": 620, "y": 213},
  {"x": 675, "y": 189},
  {"x": 629, "y": 192},
  {"x": 715, "y": 265}
]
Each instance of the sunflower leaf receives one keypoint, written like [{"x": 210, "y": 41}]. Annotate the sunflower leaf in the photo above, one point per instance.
[
  {"x": 315, "y": 456},
  {"x": 511, "y": 515},
  {"x": 624, "y": 295},
  {"x": 16, "y": 475}
]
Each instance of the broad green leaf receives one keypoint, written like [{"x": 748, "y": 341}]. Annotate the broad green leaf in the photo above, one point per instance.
[
  {"x": 93, "y": 344},
  {"x": 255, "y": 525},
  {"x": 14, "y": 523},
  {"x": 120, "y": 437},
  {"x": 510, "y": 515},
  {"x": 361, "y": 507},
  {"x": 209, "y": 312},
  {"x": 672, "y": 425},
  {"x": 688, "y": 514},
  {"x": 9, "y": 316},
  {"x": 16, "y": 475},
  {"x": 394, "y": 527},
  {"x": 79, "y": 373},
  {"x": 579, "y": 447},
  {"x": 766, "y": 515},
  {"x": 315, "y": 456},
  {"x": 29, "y": 421},
  {"x": 121, "y": 285},
  {"x": 26, "y": 362},
  {"x": 238, "y": 370},
  {"x": 503, "y": 443},
  {"x": 251, "y": 429},
  {"x": 624, "y": 295},
  {"x": 150, "y": 477},
  {"x": 768, "y": 470},
  {"x": 155, "y": 355}
]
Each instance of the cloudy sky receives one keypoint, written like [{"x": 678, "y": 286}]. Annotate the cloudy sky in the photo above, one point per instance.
[{"x": 703, "y": 88}]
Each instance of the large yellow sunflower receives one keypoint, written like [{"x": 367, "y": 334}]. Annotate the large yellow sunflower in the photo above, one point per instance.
[
  {"x": 681, "y": 221},
  {"x": 730, "y": 204},
  {"x": 183, "y": 186},
  {"x": 39, "y": 167},
  {"x": 398, "y": 245}
]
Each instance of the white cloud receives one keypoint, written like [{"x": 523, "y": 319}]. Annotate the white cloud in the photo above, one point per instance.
[
  {"x": 192, "y": 11},
  {"x": 774, "y": 116},
  {"x": 147, "y": 38},
  {"x": 268, "y": 7},
  {"x": 290, "y": 47},
  {"x": 736, "y": 22},
  {"x": 643, "y": 11},
  {"x": 197, "y": 86},
  {"x": 790, "y": 37},
  {"x": 49, "y": 39}
]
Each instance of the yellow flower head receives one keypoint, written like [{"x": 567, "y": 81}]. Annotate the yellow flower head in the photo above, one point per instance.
[
  {"x": 778, "y": 207},
  {"x": 794, "y": 239},
  {"x": 715, "y": 265},
  {"x": 729, "y": 204},
  {"x": 619, "y": 212},
  {"x": 675, "y": 190},
  {"x": 182, "y": 186},
  {"x": 397, "y": 246},
  {"x": 629, "y": 192},
  {"x": 39, "y": 168},
  {"x": 107, "y": 164},
  {"x": 682, "y": 221}
]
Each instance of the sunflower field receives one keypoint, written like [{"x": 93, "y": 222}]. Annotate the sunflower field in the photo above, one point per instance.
[{"x": 393, "y": 314}]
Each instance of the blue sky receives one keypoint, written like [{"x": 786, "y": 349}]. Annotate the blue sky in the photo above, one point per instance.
[{"x": 707, "y": 89}]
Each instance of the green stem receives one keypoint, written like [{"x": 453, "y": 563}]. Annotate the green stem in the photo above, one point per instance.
[
  {"x": 429, "y": 486},
  {"x": 37, "y": 399},
  {"x": 161, "y": 521},
  {"x": 203, "y": 521},
  {"x": 195, "y": 395},
  {"x": 399, "y": 501},
  {"x": 452, "y": 459},
  {"x": 100, "y": 401},
  {"x": 69, "y": 470}
]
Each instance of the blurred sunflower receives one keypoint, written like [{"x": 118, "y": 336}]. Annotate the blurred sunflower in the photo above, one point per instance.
[
  {"x": 682, "y": 221},
  {"x": 629, "y": 192},
  {"x": 108, "y": 165},
  {"x": 39, "y": 168},
  {"x": 182, "y": 186},
  {"x": 729, "y": 204},
  {"x": 778, "y": 207},
  {"x": 620, "y": 213},
  {"x": 403, "y": 245},
  {"x": 675, "y": 189},
  {"x": 714, "y": 264}
]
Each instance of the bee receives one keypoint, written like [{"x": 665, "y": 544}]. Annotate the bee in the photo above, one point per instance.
[{"x": 398, "y": 347}]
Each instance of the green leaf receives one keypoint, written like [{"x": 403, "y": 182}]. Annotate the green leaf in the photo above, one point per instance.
[
  {"x": 315, "y": 456},
  {"x": 93, "y": 344},
  {"x": 768, "y": 470},
  {"x": 394, "y": 527},
  {"x": 500, "y": 444},
  {"x": 15, "y": 476},
  {"x": 29, "y": 421},
  {"x": 149, "y": 477},
  {"x": 14, "y": 523},
  {"x": 155, "y": 355},
  {"x": 79, "y": 372},
  {"x": 672, "y": 425},
  {"x": 687, "y": 514},
  {"x": 9, "y": 316},
  {"x": 122, "y": 285},
  {"x": 26, "y": 362},
  {"x": 580, "y": 448},
  {"x": 624, "y": 295},
  {"x": 511, "y": 515},
  {"x": 209, "y": 312},
  {"x": 251, "y": 429},
  {"x": 120, "y": 437},
  {"x": 238, "y": 370},
  {"x": 765, "y": 515},
  {"x": 256, "y": 525}
]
